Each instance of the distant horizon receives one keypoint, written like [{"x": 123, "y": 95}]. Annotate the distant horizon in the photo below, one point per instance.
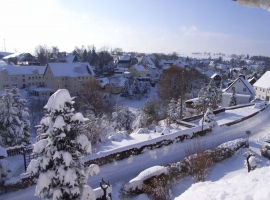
[{"x": 136, "y": 26}]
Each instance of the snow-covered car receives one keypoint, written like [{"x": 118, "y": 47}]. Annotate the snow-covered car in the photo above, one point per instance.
[{"x": 265, "y": 149}]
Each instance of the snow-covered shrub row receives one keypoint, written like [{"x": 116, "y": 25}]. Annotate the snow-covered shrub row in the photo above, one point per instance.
[
  {"x": 175, "y": 171},
  {"x": 137, "y": 185},
  {"x": 22, "y": 181},
  {"x": 136, "y": 151}
]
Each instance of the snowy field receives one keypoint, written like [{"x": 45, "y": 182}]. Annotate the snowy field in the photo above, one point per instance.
[{"x": 223, "y": 175}]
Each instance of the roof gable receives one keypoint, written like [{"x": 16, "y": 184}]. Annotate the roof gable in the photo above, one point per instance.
[
  {"x": 244, "y": 82},
  {"x": 264, "y": 81}
]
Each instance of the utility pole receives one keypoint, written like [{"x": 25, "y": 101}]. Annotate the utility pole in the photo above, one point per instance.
[
  {"x": 181, "y": 97},
  {"x": 5, "y": 45}
]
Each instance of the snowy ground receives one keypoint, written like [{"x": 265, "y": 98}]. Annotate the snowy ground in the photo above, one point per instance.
[
  {"x": 122, "y": 171},
  {"x": 131, "y": 167}
]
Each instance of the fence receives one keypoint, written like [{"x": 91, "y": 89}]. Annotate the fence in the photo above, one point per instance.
[{"x": 25, "y": 151}]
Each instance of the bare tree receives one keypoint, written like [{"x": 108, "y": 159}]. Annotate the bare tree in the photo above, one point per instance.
[
  {"x": 197, "y": 161},
  {"x": 93, "y": 98}
]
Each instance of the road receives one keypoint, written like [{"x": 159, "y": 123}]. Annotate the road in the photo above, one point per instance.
[{"x": 131, "y": 167}]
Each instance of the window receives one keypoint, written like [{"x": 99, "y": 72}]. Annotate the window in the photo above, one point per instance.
[
  {"x": 29, "y": 78},
  {"x": 23, "y": 75},
  {"x": 65, "y": 85},
  {"x": 23, "y": 80},
  {"x": 263, "y": 90},
  {"x": 233, "y": 88},
  {"x": 11, "y": 78},
  {"x": 244, "y": 89}
]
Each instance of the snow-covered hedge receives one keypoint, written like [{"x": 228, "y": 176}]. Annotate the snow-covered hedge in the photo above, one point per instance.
[
  {"x": 178, "y": 170},
  {"x": 131, "y": 151}
]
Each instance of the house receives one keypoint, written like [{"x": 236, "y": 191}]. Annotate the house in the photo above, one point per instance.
[
  {"x": 243, "y": 90},
  {"x": 70, "y": 76},
  {"x": 112, "y": 85},
  {"x": 4, "y": 54},
  {"x": 262, "y": 86},
  {"x": 21, "y": 59},
  {"x": 21, "y": 76},
  {"x": 148, "y": 63},
  {"x": 217, "y": 79},
  {"x": 126, "y": 61},
  {"x": 138, "y": 70}
]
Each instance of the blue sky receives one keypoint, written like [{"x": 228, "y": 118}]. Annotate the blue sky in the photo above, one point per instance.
[{"x": 148, "y": 26}]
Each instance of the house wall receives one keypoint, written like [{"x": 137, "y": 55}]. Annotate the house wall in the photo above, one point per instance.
[
  {"x": 240, "y": 88},
  {"x": 240, "y": 99},
  {"x": 21, "y": 80},
  {"x": 135, "y": 73},
  {"x": 72, "y": 84},
  {"x": 262, "y": 93}
]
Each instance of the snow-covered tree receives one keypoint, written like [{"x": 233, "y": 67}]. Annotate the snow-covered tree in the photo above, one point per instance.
[
  {"x": 232, "y": 100},
  {"x": 98, "y": 129},
  {"x": 208, "y": 94},
  {"x": 14, "y": 123},
  {"x": 150, "y": 110},
  {"x": 59, "y": 166},
  {"x": 173, "y": 110},
  {"x": 209, "y": 118},
  {"x": 122, "y": 118},
  {"x": 140, "y": 120}
]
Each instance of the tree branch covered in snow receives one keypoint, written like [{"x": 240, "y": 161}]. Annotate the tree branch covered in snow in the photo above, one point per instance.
[{"x": 265, "y": 4}]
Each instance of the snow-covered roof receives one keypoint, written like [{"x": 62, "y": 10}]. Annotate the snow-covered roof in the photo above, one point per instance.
[
  {"x": 264, "y": 81},
  {"x": 5, "y": 53},
  {"x": 3, "y": 152},
  {"x": 18, "y": 70},
  {"x": 71, "y": 69},
  {"x": 148, "y": 59},
  {"x": 238, "y": 95},
  {"x": 215, "y": 74},
  {"x": 12, "y": 55},
  {"x": 43, "y": 89},
  {"x": 69, "y": 58},
  {"x": 102, "y": 82},
  {"x": 210, "y": 73},
  {"x": 125, "y": 58},
  {"x": 245, "y": 82},
  {"x": 139, "y": 67}
]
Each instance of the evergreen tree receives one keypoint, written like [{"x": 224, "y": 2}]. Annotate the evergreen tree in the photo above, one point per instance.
[
  {"x": 61, "y": 144},
  {"x": 15, "y": 127},
  {"x": 173, "y": 111},
  {"x": 209, "y": 118},
  {"x": 150, "y": 110},
  {"x": 122, "y": 118},
  {"x": 208, "y": 94},
  {"x": 232, "y": 100}
]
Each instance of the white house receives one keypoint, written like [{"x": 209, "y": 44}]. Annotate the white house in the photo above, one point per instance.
[
  {"x": 262, "y": 86},
  {"x": 243, "y": 90}
]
